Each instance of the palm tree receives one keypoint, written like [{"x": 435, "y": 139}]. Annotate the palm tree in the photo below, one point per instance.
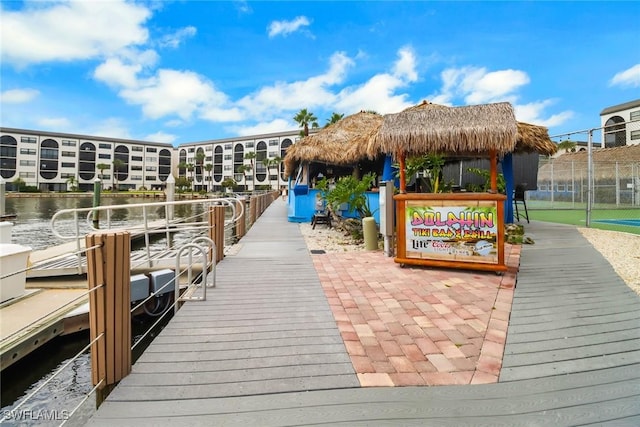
[
  {"x": 275, "y": 163},
  {"x": 191, "y": 168},
  {"x": 267, "y": 163},
  {"x": 181, "y": 165},
  {"x": 71, "y": 181},
  {"x": 335, "y": 117},
  {"x": 305, "y": 119},
  {"x": 101, "y": 167},
  {"x": 200, "y": 156},
  {"x": 209, "y": 167},
  {"x": 117, "y": 166},
  {"x": 251, "y": 156},
  {"x": 243, "y": 169}
]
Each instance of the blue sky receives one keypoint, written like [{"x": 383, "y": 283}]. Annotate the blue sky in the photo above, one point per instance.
[{"x": 186, "y": 71}]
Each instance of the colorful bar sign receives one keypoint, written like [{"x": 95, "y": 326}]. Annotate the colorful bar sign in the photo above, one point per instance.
[{"x": 455, "y": 232}]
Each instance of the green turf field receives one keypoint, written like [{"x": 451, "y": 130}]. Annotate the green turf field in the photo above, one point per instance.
[{"x": 578, "y": 217}]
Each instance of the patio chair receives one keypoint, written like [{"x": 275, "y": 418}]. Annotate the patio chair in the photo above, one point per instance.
[{"x": 519, "y": 198}]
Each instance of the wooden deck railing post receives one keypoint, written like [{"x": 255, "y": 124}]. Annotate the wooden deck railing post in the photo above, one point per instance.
[
  {"x": 108, "y": 268},
  {"x": 253, "y": 208},
  {"x": 215, "y": 218},
  {"x": 240, "y": 223}
]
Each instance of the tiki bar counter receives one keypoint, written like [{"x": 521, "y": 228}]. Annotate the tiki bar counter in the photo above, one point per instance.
[{"x": 456, "y": 230}]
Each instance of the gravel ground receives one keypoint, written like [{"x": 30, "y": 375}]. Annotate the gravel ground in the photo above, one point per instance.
[{"x": 622, "y": 250}]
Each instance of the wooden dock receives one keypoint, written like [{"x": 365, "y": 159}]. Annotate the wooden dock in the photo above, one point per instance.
[{"x": 264, "y": 349}]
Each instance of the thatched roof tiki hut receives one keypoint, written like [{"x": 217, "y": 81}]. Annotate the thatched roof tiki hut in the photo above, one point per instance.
[
  {"x": 342, "y": 144},
  {"x": 479, "y": 130}
]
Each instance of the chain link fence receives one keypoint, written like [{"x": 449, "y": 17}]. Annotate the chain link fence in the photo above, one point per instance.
[{"x": 603, "y": 184}]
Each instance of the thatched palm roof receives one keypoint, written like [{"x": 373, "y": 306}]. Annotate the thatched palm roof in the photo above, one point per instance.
[
  {"x": 341, "y": 143},
  {"x": 534, "y": 139},
  {"x": 465, "y": 130}
]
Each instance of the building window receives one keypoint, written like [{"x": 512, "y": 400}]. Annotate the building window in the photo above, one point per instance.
[
  {"x": 151, "y": 178},
  {"x": 8, "y": 153},
  {"x": 228, "y": 156},
  {"x": 68, "y": 165},
  {"x": 227, "y": 167},
  {"x": 164, "y": 161},
  {"x": 261, "y": 154},
  {"x": 105, "y": 146},
  {"x": 68, "y": 143},
  {"x": 28, "y": 139},
  {"x": 152, "y": 150},
  {"x": 150, "y": 159},
  {"x": 67, "y": 175},
  {"x": 273, "y": 142},
  {"x": 28, "y": 163},
  {"x": 151, "y": 169},
  {"x": 121, "y": 163},
  {"x": 635, "y": 134},
  {"x": 217, "y": 164},
  {"x": 27, "y": 174},
  {"x": 87, "y": 160},
  {"x": 249, "y": 144},
  {"x": 67, "y": 154},
  {"x": 228, "y": 146},
  {"x": 136, "y": 168},
  {"x": 635, "y": 115},
  {"x": 614, "y": 132},
  {"x": 192, "y": 150},
  {"x": 273, "y": 154},
  {"x": 136, "y": 158},
  {"x": 48, "y": 159},
  {"x": 104, "y": 156},
  {"x": 28, "y": 151},
  {"x": 136, "y": 148}
]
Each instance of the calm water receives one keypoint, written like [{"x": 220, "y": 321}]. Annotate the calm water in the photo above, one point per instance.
[
  {"x": 32, "y": 228},
  {"x": 32, "y": 225}
]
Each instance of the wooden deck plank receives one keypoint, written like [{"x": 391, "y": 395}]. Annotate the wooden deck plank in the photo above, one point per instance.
[{"x": 572, "y": 354}]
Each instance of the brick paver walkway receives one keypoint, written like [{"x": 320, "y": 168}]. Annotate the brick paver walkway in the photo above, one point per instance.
[{"x": 418, "y": 326}]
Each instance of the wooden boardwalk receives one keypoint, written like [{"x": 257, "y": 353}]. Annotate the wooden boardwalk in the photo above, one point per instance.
[{"x": 264, "y": 350}]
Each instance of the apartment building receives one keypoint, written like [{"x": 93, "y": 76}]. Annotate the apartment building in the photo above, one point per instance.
[{"x": 54, "y": 161}]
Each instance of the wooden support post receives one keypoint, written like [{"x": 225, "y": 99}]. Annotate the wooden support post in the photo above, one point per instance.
[
  {"x": 493, "y": 159},
  {"x": 253, "y": 208},
  {"x": 403, "y": 174},
  {"x": 240, "y": 224},
  {"x": 219, "y": 233},
  {"x": 215, "y": 218},
  {"x": 108, "y": 268}
]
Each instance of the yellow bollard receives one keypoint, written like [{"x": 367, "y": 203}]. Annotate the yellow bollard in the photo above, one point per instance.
[{"x": 370, "y": 232}]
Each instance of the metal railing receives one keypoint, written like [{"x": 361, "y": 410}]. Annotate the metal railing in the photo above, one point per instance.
[{"x": 143, "y": 220}]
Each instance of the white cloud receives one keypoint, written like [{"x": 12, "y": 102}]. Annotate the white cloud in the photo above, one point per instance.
[
  {"x": 18, "y": 96},
  {"x": 276, "y": 125},
  {"x": 115, "y": 73},
  {"x": 161, "y": 137},
  {"x": 174, "y": 40},
  {"x": 310, "y": 93},
  {"x": 173, "y": 92},
  {"x": 405, "y": 66},
  {"x": 285, "y": 28},
  {"x": 533, "y": 112},
  {"x": 70, "y": 30},
  {"x": 479, "y": 86},
  {"x": 242, "y": 6},
  {"x": 379, "y": 92},
  {"x": 629, "y": 77},
  {"x": 59, "y": 124}
]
